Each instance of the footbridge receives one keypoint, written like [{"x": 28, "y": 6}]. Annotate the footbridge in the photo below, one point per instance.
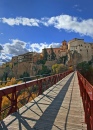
[{"x": 59, "y": 102}]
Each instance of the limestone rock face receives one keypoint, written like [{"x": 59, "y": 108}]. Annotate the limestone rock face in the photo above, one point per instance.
[
  {"x": 74, "y": 58},
  {"x": 50, "y": 63}
]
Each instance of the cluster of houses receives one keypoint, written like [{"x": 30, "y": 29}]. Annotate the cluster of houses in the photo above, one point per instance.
[{"x": 77, "y": 50}]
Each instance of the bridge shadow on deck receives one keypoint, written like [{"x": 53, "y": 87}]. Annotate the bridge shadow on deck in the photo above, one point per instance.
[{"x": 46, "y": 120}]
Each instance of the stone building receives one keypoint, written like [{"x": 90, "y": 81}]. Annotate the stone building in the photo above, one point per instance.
[
  {"x": 25, "y": 63},
  {"x": 76, "y": 51},
  {"x": 59, "y": 52},
  {"x": 14, "y": 60},
  {"x": 27, "y": 57},
  {"x": 63, "y": 49},
  {"x": 84, "y": 50}
]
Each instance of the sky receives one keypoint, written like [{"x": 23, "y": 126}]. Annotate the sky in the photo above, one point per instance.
[{"x": 31, "y": 25}]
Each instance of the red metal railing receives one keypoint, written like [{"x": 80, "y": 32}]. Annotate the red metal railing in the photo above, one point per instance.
[
  {"x": 15, "y": 96},
  {"x": 86, "y": 91}
]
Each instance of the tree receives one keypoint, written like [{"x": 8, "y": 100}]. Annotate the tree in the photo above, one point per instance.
[
  {"x": 86, "y": 69},
  {"x": 7, "y": 73},
  {"x": 45, "y": 54},
  {"x": 44, "y": 70},
  {"x": 11, "y": 82},
  {"x": 63, "y": 59},
  {"x": 83, "y": 67},
  {"x": 4, "y": 77},
  {"x": 58, "y": 68},
  {"x": 25, "y": 76},
  {"x": 54, "y": 67},
  {"x": 53, "y": 55},
  {"x": 40, "y": 62}
]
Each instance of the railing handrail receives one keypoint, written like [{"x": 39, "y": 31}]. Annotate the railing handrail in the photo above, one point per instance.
[
  {"x": 87, "y": 85},
  {"x": 36, "y": 76},
  {"x": 86, "y": 91},
  {"x": 12, "y": 92},
  {"x": 25, "y": 82}
]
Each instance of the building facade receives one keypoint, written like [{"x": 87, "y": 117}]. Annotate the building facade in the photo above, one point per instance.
[
  {"x": 59, "y": 52},
  {"x": 76, "y": 51},
  {"x": 83, "y": 48}
]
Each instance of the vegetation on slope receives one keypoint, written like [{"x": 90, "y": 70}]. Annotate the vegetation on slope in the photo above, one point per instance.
[{"x": 86, "y": 69}]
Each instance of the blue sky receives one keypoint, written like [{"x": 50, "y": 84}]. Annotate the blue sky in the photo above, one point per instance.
[{"x": 30, "y": 25}]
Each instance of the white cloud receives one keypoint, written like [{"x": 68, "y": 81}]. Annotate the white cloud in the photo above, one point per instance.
[
  {"x": 37, "y": 47},
  {"x": 20, "y": 20},
  {"x": 12, "y": 48},
  {"x": 4, "y": 58},
  {"x": 66, "y": 22},
  {"x": 72, "y": 24},
  {"x": 15, "y": 47}
]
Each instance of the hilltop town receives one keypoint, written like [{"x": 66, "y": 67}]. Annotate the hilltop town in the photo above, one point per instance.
[{"x": 31, "y": 63}]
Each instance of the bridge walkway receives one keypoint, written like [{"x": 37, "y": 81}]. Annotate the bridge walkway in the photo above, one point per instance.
[{"x": 58, "y": 108}]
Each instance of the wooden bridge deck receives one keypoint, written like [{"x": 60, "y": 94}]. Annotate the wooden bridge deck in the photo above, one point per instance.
[{"x": 58, "y": 108}]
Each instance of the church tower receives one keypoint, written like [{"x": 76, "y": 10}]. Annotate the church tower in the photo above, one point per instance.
[{"x": 64, "y": 46}]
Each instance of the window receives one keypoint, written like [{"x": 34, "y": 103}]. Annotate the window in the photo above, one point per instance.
[
  {"x": 85, "y": 46},
  {"x": 80, "y": 50}
]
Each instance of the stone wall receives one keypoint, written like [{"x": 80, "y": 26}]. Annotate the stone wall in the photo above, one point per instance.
[
  {"x": 28, "y": 67},
  {"x": 50, "y": 63}
]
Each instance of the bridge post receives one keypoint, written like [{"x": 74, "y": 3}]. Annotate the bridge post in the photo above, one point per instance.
[
  {"x": 87, "y": 112},
  {"x": 55, "y": 79},
  {"x": 13, "y": 100},
  {"x": 0, "y": 107},
  {"x": 91, "y": 117},
  {"x": 40, "y": 87}
]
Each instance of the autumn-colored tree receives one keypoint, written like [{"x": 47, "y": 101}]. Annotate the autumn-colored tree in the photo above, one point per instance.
[
  {"x": 41, "y": 56},
  {"x": 44, "y": 70},
  {"x": 11, "y": 82}
]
